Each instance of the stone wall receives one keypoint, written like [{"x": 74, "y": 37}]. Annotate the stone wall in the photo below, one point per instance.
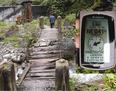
[{"x": 9, "y": 13}]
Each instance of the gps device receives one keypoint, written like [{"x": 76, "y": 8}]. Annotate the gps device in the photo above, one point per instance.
[{"x": 97, "y": 50}]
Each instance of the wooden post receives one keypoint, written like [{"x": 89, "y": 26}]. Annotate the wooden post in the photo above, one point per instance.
[
  {"x": 27, "y": 11},
  {"x": 7, "y": 77},
  {"x": 62, "y": 75},
  {"x": 41, "y": 22},
  {"x": 1, "y": 82},
  {"x": 59, "y": 24}
]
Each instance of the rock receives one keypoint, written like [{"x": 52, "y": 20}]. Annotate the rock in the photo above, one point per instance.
[
  {"x": 18, "y": 57},
  {"x": 68, "y": 48},
  {"x": 7, "y": 56},
  {"x": 86, "y": 78},
  {"x": 18, "y": 73},
  {"x": 23, "y": 43},
  {"x": 43, "y": 43},
  {"x": 1, "y": 38}
]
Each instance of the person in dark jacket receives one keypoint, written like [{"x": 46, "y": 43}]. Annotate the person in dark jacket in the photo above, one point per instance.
[{"x": 52, "y": 21}]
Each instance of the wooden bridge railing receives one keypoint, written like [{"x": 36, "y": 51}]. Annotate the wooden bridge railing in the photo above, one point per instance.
[
  {"x": 7, "y": 77},
  {"x": 62, "y": 75}
]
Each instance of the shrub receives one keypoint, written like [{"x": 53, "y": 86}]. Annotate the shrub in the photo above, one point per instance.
[
  {"x": 46, "y": 21},
  {"x": 110, "y": 82},
  {"x": 72, "y": 83},
  {"x": 25, "y": 35},
  {"x": 70, "y": 18},
  {"x": 4, "y": 25}
]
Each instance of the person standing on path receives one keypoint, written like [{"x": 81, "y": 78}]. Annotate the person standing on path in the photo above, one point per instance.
[{"x": 52, "y": 21}]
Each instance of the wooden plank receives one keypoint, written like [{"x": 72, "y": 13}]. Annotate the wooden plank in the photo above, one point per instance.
[
  {"x": 44, "y": 53},
  {"x": 42, "y": 71},
  {"x": 44, "y": 56},
  {"x": 44, "y": 60},
  {"x": 23, "y": 75},
  {"x": 42, "y": 64},
  {"x": 52, "y": 51},
  {"x": 43, "y": 67},
  {"x": 39, "y": 78},
  {"x": 42, "y": 75}
]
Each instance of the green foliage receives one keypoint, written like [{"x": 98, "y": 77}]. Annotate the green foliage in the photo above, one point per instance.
[
  {"x": 64, "y": 7},
  {"x": 74, "y": 86},
  {"x": 46, "y": 21},
  {"x": 43, "y": 2},
  {"x": 4, "y": 25},
  {"x": 70, "y": 18},
  {"x": 69, "y": 33},
  {"x": 29, "y": 30},
  {"x": 3, "y": 28},
  {"x": 85, "y": 71},
  {"x": 69, "y": 21},
  {"x": 112, "y": 70},
  {"x": 12, "y": 39},
  {"x": 24, "y": 34},
  {"x": 87, "y": 87},
  {"x": 80, "y": 5},
  {"x": 72, "y": 83},
  {"x": 58, "y": 7},
  {"x": 110, "y": 82},
  {"x": 5, "y": 2},
  {"x": 61, "y": 6}
]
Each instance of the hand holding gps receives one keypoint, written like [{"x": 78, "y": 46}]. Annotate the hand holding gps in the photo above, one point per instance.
[{"x": 97, "y": 39}]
